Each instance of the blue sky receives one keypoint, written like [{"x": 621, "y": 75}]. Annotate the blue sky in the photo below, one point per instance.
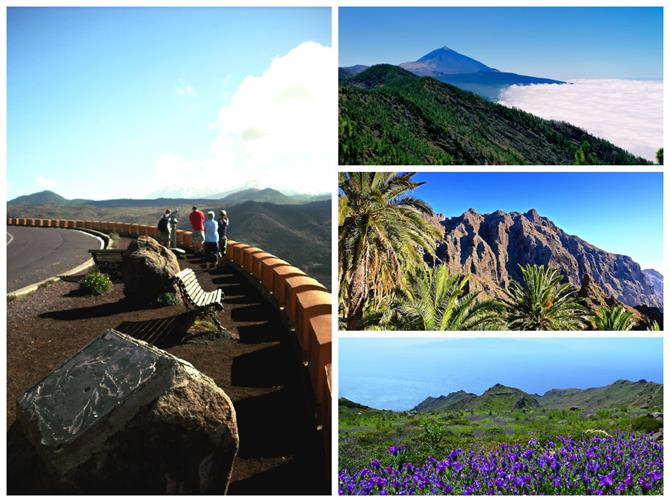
[
  {"x": 562, "y": 43},
  {"x": 398, "y": 373},
  {"x": 618, "y": 212},
  {"x": 92, "y": 89}
]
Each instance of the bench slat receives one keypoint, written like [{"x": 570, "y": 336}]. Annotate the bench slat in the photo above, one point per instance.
[
  {"x": 198, "y": 298},
  {"x": 193, "y": 289},
  {"x": 191, "y": 285}
]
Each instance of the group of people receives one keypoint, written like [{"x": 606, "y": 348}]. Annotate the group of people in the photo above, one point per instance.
[{"x": 209, "y": 234}]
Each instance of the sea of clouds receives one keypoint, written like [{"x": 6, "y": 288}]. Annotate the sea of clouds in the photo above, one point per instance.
[
  {"x": 628, "y": 113},
  {"x": 276, "y": 130}
]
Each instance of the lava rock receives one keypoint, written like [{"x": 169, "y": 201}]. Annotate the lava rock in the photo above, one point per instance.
[
  {"x": 148, "y": 271},
  {"x": 122, "y": 416}
]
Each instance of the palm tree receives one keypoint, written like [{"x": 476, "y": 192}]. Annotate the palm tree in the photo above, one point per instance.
[
  {"x": 383, "y": 231},
  {"x": 436, "y": 300},
  {"x": 653, "y": 326},
  {"x": 614, "y": 318},
  {"x": 542, "y": 301}
]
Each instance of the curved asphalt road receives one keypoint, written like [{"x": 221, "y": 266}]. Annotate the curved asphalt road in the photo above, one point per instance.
[{"x": 35, "y": 254}]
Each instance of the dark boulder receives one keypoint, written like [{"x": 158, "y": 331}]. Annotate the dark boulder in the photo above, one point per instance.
[
  {"x": 122, "y": 417},
  {"x": 148, "y": 271}
]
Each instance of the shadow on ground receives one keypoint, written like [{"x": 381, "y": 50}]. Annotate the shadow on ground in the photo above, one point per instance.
[{"x": 281, "y": 451}]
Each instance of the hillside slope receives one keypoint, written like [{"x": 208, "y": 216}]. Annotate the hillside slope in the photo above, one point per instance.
[
  {"x": 620, "y": 394},
  {"x": 497, "y": 398},
  {"x": 298, "y": 233},
  {"x": 390, "y": 116}
]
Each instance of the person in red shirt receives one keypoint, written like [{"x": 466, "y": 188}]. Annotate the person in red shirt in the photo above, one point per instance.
[{"x": 198, "y": 227}]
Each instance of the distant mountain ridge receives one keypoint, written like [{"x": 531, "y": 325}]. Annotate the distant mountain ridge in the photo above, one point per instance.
[
  {"x": 490, "y": 247},
  {"x": 226, "y": 198},
  {"x": 447, "y": 65},
  {"x": 389, "y": 116},
  {"x": 622, "y": 393},
  {"x": 298, "y": 232}
]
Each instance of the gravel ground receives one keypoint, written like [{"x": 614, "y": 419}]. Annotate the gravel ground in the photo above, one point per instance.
[{"x": 257, "y": 366}]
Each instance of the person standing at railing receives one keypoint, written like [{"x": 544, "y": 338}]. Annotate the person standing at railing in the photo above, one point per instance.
[
  {"x": 223, "y": 238},
  {"x": 197, "y": 226},
  {"x": 211, "y": 241},
  {"x": 164, "y": 229}
]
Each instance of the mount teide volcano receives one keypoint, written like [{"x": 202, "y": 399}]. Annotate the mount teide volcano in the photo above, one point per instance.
[{"x": 490, "y": 247}]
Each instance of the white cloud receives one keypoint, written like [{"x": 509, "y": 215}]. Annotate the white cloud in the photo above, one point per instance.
[
  {"x": 185, "y": 89},
  {"x": 46, "y": 183},
  {"x": 276, "y": 130},
  {"x": 628, "y": 113}
]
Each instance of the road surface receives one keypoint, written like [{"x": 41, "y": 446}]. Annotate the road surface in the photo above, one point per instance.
[{"x": 35, "y": 254}]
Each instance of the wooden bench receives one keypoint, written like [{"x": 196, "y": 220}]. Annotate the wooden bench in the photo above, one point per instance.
[
  {"x": 207, "y": 302},
  {"x": 108, "y": 260}
]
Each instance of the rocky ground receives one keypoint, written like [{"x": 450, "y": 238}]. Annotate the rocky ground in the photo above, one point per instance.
[{"x": 255, "y": 363}]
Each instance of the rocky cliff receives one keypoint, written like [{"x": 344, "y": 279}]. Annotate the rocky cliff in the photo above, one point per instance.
[{"x": 491, "y": 247}]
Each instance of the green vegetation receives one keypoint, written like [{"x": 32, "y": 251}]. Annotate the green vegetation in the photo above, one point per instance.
[
  {"x": 583, "y": 155},
  {"x": 383, "y": 233},
  {"x": 366, "y": 433},
  {"x": 386, "y": 244},
  {"x": 167, "y": 299},
  {"x": 646, "y": 424},
  {"x": 435, "y": 300},
  {"x": 613, "y": 318},
  {"x": 659, "y": 156},
  {"x": 389, "y": 116},
  {"x": 95, "y": 283},
  {"x": 542, "y": 302}
]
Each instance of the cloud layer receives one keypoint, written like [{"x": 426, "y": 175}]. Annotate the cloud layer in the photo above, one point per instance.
[
  {"x": 628, "y": 113},
  {"x": 277, "y": 130}
]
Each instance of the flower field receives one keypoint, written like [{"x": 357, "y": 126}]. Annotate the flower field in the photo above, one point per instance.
[{"x": 622, "y": 464}]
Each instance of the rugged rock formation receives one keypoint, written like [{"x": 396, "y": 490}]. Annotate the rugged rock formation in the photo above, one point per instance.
[
  {"x": 122, "y": 416},
  {"x": 656, "y": 280},
  {"x": 148, "y": 269},
  {"x": 491, "y": 247}
]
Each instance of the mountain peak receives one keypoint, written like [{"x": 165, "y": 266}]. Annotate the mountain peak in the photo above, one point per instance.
[
  {"x": 533, "y": 215},
  {"x": 490, "y": 247},
  {"x": 43, "y": 197},
  {"x": 446, "y": 61}
]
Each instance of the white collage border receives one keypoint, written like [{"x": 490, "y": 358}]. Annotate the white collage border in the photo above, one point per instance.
[{"x": 333, "y": 169}]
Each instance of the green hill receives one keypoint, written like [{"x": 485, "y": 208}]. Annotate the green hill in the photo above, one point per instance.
[
  {"x": 499, "y": 398},
  {"x": 343, "y": 402},
  {"x": 390, "y": 116},
  {"x": 622, "y": 393},
  {"x": 454, "y": 401},
  {"x": 44, "y": 197}
]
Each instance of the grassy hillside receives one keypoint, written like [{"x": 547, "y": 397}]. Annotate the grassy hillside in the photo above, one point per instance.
[
  {"x": 620, "y": 393},
  {"x": 454, "y": 401},
  {"x": 390, "y": 116},
  {"x": 497, "y": 398},
  {"x": 366, "y": 434}
]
